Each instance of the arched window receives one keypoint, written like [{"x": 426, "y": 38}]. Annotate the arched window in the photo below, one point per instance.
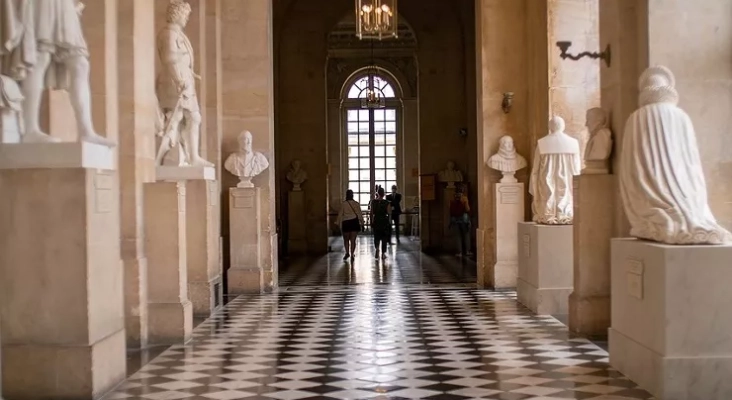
[{"x": 380, "y": 85}]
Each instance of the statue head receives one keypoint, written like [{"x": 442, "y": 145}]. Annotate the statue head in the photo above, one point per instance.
[
  {"x": 245, "y": 141},
  {"x": 556, "y": 124},
  {"x": 657, "y": 84},
  {"x": 506, "y": 144},
  {"x": 450, "y": 165},
  {"x": 596, "y": 118},
  {"x": 296, "y": 165},
  {"x": 178, "y": 12}
]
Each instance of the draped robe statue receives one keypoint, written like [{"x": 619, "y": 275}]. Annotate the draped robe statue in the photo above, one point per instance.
[{"x": 661, "y": 178}]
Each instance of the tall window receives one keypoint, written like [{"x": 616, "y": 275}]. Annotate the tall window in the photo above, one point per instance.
[{"x": 372, "y": 141}]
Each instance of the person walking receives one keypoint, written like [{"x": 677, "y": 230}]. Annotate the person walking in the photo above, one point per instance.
[
  {"x": 395, "y": 200},
  {"x": 460, "y": 221},
  {"x": 380, "y": 222},
  {"x": 350, "y": 219}
]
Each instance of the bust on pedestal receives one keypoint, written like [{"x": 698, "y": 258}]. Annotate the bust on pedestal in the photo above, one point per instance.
[
  {"x": 600, "y": 145},
  {"x": 296, "y": 175},
  {"x": 546, "y": 263},
  {"x": 450, "y": 175},
  {"x": 246, "y": 163},
  {"x": 296, "y": 218},
  {"x": 686, "y": 271},
  {"x": 509, "y": 211}
]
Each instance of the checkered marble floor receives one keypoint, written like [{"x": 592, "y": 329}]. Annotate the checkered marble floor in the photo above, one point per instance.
[
  {"x": 405, "y": 264},
  {"x": 380, "y": 342}
]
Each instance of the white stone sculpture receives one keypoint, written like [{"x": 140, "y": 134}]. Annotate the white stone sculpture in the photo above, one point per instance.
[
  {"x": 450, "y": 175},
  {"x": 176, "y": 89},
  {"x": 600, "y": 145},
  {"x": 296, "y": 175},
  {"x": 246, "y": 163},
  {"x": 43, "y": 46},
  {"x": 661, "y": 178},
  {"x": 11, "y": 101},
  {"x": 556, "y": 161},
  {"x": 507, "y": 160}
]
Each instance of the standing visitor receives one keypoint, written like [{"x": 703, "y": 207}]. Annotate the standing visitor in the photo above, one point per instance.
[
  {"x": 460, "y": 221},
  {"x": 395, "y": 200},
  {"x": 380, "y": 222},
  {"x": 350, "y": 219}
]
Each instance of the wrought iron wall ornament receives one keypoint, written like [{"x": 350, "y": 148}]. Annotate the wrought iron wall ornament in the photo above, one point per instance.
[{"x": 564, "y": 46}]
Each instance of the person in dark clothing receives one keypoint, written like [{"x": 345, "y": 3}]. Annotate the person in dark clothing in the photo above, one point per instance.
[
  {"x": 380, "y": 222},
  {"x": 395, "y": 200},
  {"x": 460, "y": 221}
]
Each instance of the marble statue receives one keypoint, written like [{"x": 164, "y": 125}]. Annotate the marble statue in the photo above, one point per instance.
[
  {"x": 246, "y": 163},
  {"x": 450, "y": 175},
  {"x": 176, "y": 90},
  {"x": 43, "y": 47},
  {"x": 661, "y": 178},
  {"x": 556, "y": 161},
  {"x": 296, "y": 175},
  {"x": 600, "y": 145},
  {"x": 507, "y": 160}
]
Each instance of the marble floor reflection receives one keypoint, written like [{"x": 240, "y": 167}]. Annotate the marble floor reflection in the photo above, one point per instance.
[
  {"x": 405, "y": 264},
  {"x": 411, "y": 327}
]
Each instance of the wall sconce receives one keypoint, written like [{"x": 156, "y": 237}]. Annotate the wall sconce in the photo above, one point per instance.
[
  {"x": 564, "y": 46},
  {"x": 507, "y": 102}
]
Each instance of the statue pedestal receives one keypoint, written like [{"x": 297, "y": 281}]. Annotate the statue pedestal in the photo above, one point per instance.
[
  {"x": 297, "y": 242},
  {"x": 203, "y": 235},
  {"x": 670, "y": 318},
  {"x": 594, "y": 208},
  {"x": 246, "y": 273},
  {"x": 545, "y": 267},
  {"x": 61, "y": 277},
  {"x": 170, "y": 312},
  {"x": 509, "y": 202},
  {"x": 9, "y": 128}
]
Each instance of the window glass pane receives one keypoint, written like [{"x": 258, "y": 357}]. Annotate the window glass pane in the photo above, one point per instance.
[
  {"x": 352, "y": 115},
  {"x": 363, "y": 127},
  {"x": 365, "y": 163},
  {"x": 353, "y": 163},
  {"x": 352, "y": 139},
  {"x": 352, "y": 174},
  {"x": 353, "y": 92},
  {"x": 391, "y": 162},
  {"x": 391, "y": 126},
  {"x": 364, "y": 151},
  {"x": 379, "y": 162},
  {"x": 364, "y": 187},
  {"x": 391, "y": 175},
  {"x": 352, "y": 151},
  {"x": 363, "y": 115},
  {"x": 364, "y": 174},
  {"x": 389, "y": 184},
  {"x": 390, "y": 114},
  {"x": 388, "y": 91},
  {"x": 379, "y": 127},
  {"x": 380, "y": 174},
  {"x": 379, "y": 115},
  {"x": 379, "y": 139},
  {"x": 363, "y": 199},
  {"x": 390, "y": 138},
  {"x": 352, "y": 127},
  {"x": 391, "y": 151},
  {"x": 379, "y": 151},
  {"x": 363, "y": 139}
]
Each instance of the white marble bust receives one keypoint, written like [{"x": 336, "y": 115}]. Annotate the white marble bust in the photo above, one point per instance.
[
  {"x": 600, "y": 144},
  {"x": 44, "y": 47},
  {"x": 556, "y": 161},
  {"x": 246, "y": 163},
  {"x": 450, "y": 175},
  {"x": 296, "y": 175},
  {"x": 507, "y": 160},
  {"x": 661, "y": 178}
]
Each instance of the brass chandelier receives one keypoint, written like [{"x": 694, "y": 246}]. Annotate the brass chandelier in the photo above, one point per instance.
[{"x": 376, "y": 19}]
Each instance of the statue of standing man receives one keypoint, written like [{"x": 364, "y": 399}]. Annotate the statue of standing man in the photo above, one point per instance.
[
  {"x": 44, "y": 47},
  {"x": 176, "y": 89}
]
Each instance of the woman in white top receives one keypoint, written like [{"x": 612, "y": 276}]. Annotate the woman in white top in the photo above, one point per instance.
[{"x": 350, "y": 219}]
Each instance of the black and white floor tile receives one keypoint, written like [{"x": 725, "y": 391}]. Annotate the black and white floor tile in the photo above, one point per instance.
[{"x": 380, "y": 342}]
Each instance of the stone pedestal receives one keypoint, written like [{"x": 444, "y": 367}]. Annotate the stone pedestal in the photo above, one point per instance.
[
  {"x": 545, "y": 267},
  {"x": 246, "y": 273},
  {"x": 670, "y": 318},
  {"x": 296, "y": 223},
  {"x": 589, "y": 303},
  {"x": 61, "y": 294},
  {"x": 169, "y": 309},
  {"x": 9, "y": 128},
  {"x": 509, "y": 203}
]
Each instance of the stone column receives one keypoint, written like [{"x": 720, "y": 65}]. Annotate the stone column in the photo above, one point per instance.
[
  {"x": 169, "y": 309},
  {"x": 248, "y": 101},
  {"x": 499, "y": 24},
  {"x": 137, "y": 114}
]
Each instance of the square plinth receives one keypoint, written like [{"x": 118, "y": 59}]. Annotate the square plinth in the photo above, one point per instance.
[
  {"x": 57, "y": 155},
  {"x": 671, "y": 322},
  {"x": 185, "y": 173},
  {"x": 545, "y": 267}
]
